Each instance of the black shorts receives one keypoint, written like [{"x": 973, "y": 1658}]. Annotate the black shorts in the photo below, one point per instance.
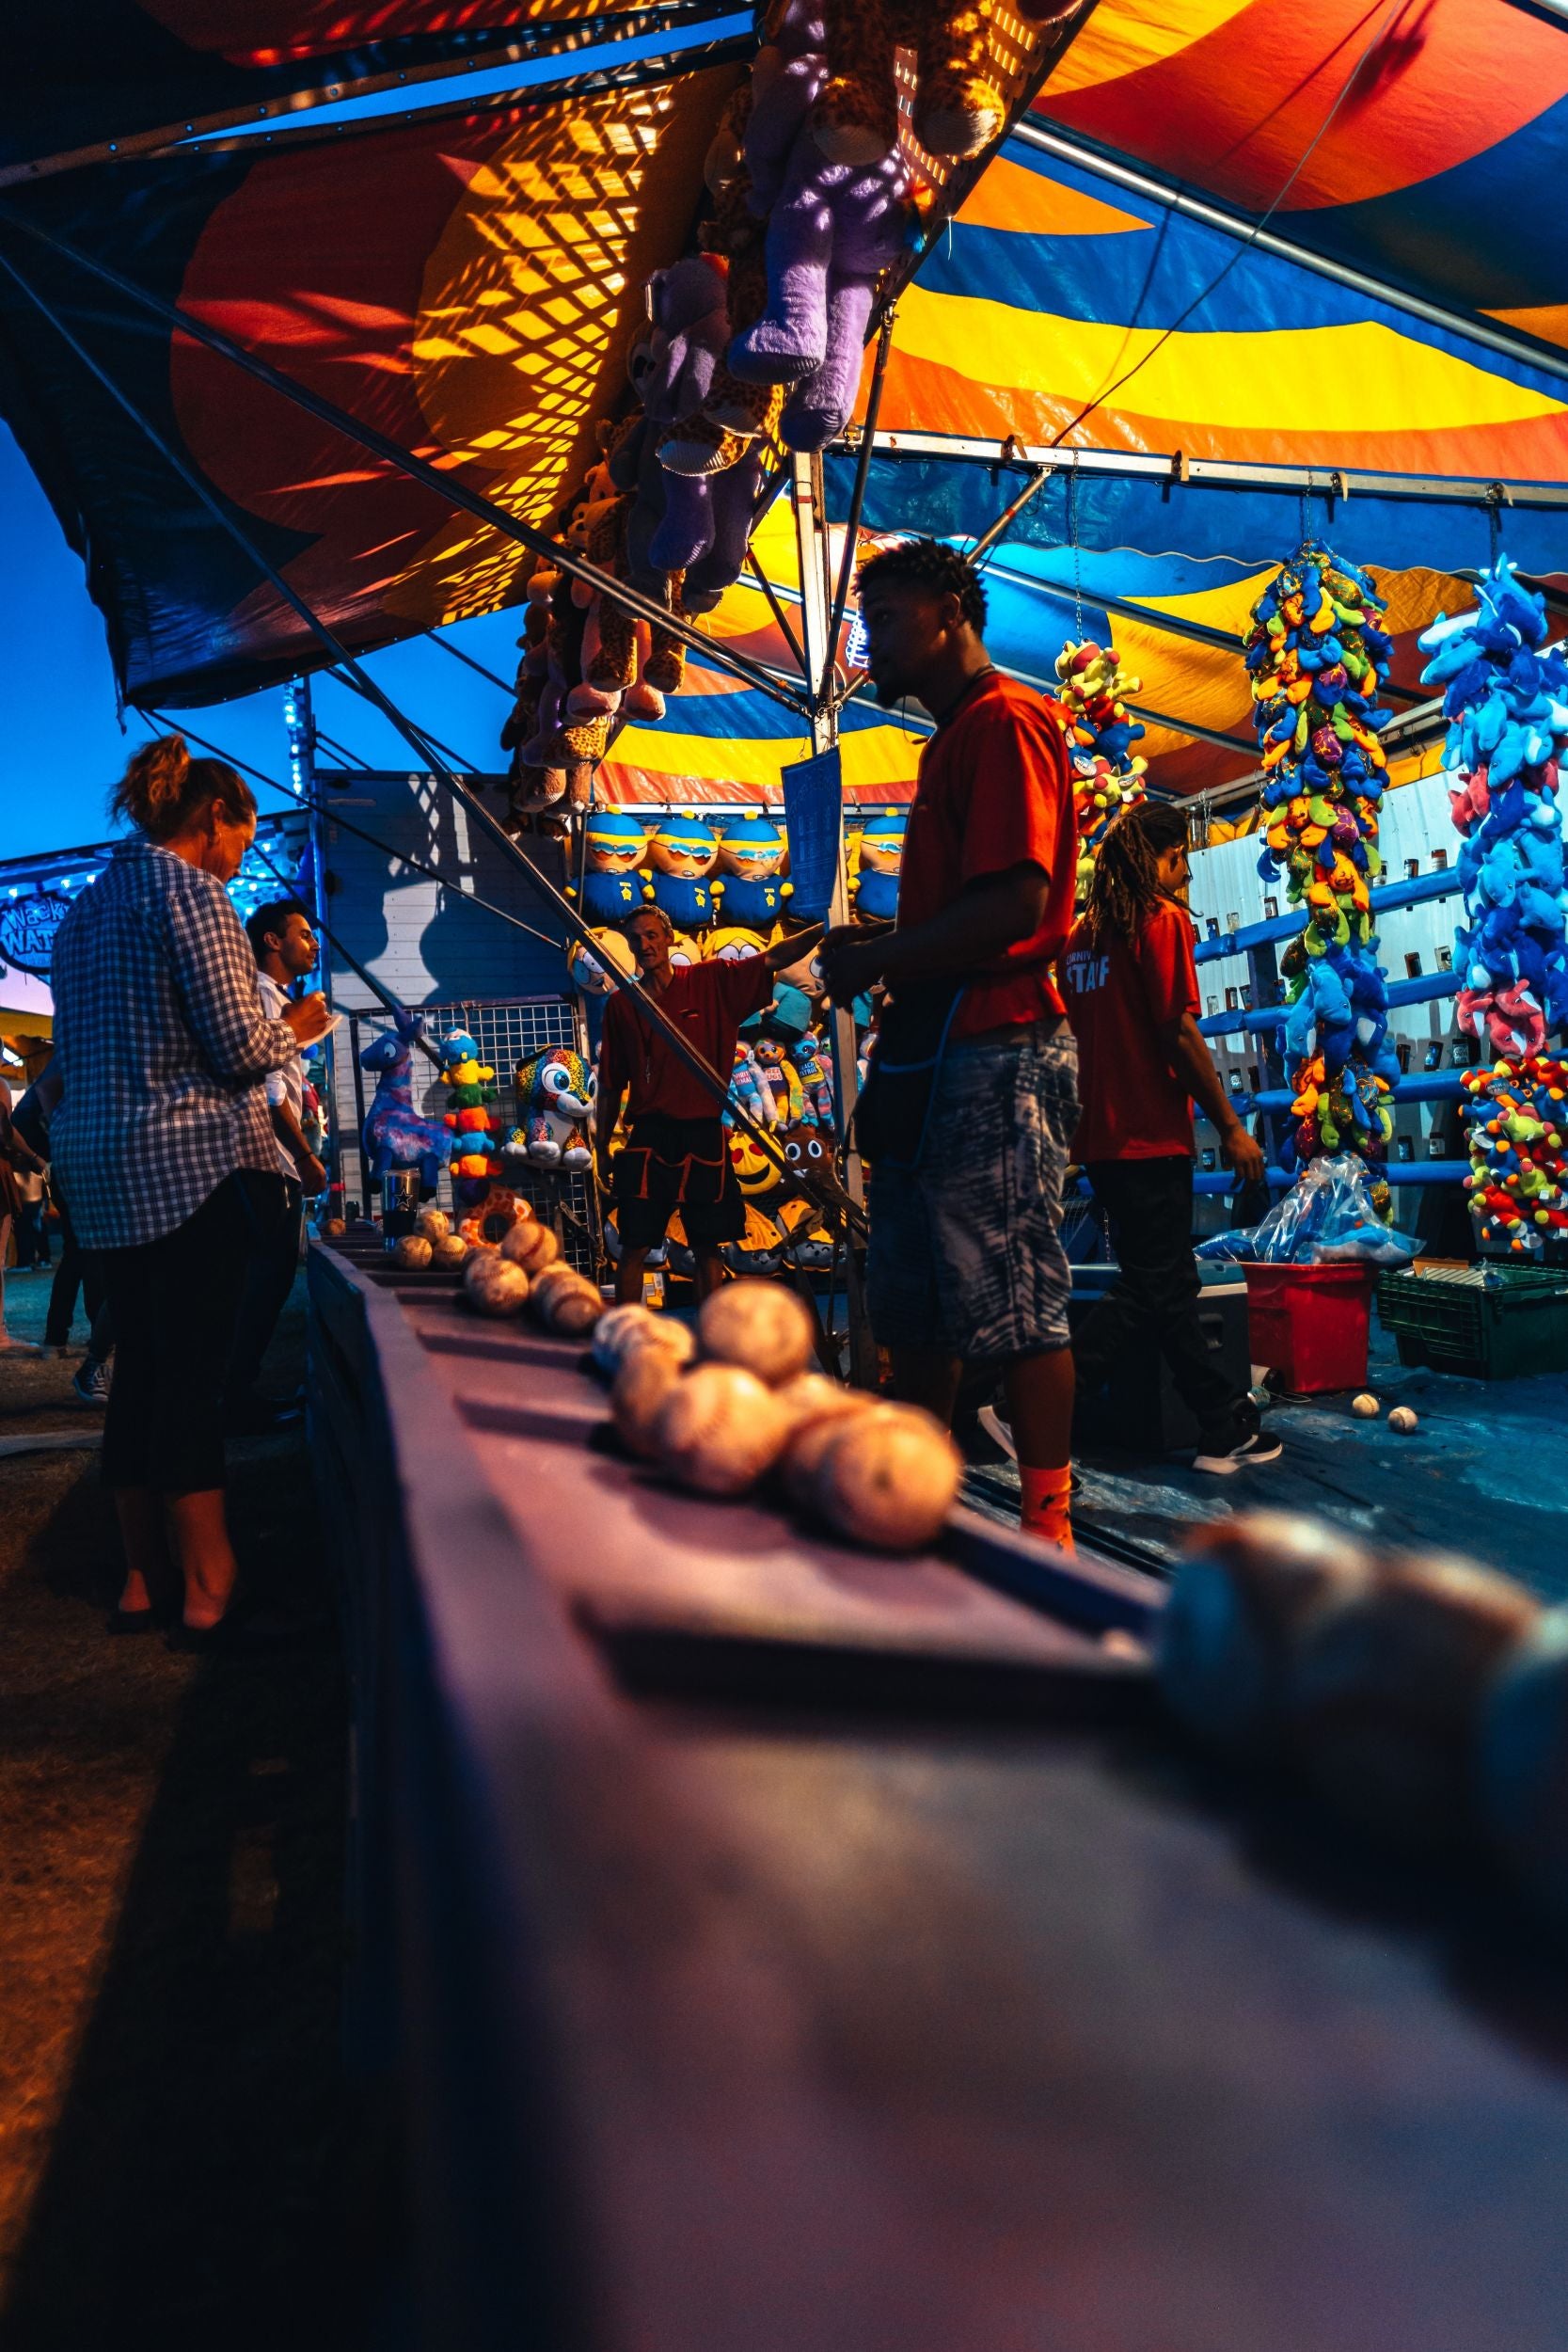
[{"x": 670, "y": 1164}]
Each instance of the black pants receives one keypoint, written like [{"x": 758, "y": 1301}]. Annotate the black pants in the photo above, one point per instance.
[
  {"x": 269, "y": 1277},
  {"x": 176, "y": 1304},
  {"x": 1153, "y": 1302},
  {"x": 78, "y": 1270},
  {"x": 32, "y": 1243}
]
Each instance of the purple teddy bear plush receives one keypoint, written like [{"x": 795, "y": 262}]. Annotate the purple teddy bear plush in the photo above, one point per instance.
[{"x": 832, "y": 230}]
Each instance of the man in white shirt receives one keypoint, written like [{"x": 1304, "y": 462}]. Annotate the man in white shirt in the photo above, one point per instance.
[{"x": 285, "y": 948}]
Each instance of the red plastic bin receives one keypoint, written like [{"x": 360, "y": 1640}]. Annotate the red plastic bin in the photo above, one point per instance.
[{"x": 1310, "y": 1324}]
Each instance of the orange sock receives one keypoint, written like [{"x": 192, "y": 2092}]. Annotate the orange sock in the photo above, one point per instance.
[{"x": 1045, "y": 1505}]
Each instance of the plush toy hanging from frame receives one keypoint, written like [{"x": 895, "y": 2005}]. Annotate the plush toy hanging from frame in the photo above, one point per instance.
[{"x": 1316, "y": 655}]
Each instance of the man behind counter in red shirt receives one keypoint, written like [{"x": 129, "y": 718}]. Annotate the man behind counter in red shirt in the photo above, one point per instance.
[
  {"x": 966, "y": 1265},
  {"x": 1132, "y": 995},
  {"x": 677, "y": 1156}
]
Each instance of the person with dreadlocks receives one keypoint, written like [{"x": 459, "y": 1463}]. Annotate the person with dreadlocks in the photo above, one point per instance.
[
  {"x": 1131, "y": 993},
  {"x": 970, "y": 1106}
]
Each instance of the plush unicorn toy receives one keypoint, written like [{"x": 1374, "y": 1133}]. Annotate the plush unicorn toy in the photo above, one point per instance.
[{"x": 395, "y": 1135}]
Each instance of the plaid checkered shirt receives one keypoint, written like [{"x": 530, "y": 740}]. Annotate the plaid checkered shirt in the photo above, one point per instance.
[{"x": 163, "y": 1047}]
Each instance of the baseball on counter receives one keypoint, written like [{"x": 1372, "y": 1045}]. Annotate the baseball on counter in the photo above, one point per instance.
[
  {"x": 411, "y": 1251},
  {"x": 530, "y": 1244},
  {"x": 642, "y": 1384},
  {"x": 760, "y": 1325},
  {"x": 449, "y": 1251},
  {"x": 719, "y": 1429},
  {"x": 1237, "y": 1605},
  {"x": 1386, "y": 1689},
  {"x": 1365, "y": 1407},
  {"x": 1402, "y": 1419},
  {"x": 811, "y": 1436},
  {"x": 574, "y": 1309},
  {"x": 667, "y": 1332},
  {"x": 889, "y": 1479},
  {"x": 434, "y": 1224},
  {"x": 493, "y": 1284},
  {"x": 613, "y": 1335}
]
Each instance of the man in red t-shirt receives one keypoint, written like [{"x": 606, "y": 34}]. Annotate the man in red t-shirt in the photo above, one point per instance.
[
  {"x": 966, "y": 1265},
  {"x": 677, "y": 1154},
  {"x": 1131, "y": 993}
]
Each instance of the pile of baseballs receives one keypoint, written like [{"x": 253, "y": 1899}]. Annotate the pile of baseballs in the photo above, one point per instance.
[
  {"x": 738, "y": 1405},
  {"x": 527, "y": 1270},
  {"x": 432, "y": 1242},
  {"x": 1426, "y": 1697}
]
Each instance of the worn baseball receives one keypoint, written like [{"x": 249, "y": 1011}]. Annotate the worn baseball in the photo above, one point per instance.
[
  {"x": 1365, "y": 1407},
  {"x": 574, "y": 1309},
  {"x": 450, "y": 1251},
  {"x": 411, "y": 1251},
  {"x": 613, "y": 1335},
  {"x": 1401, "y": 1419},
  {"x": 889, "y": 1478},
  {"x": 334, "y": 1227},
  {"x": 667, "y": 1332},
  {"x": 1237, "y": 1605},
  {"x": 530, "y": 1244},
  {"x": 493, "y": 1285},
  {"x": 1387, "y": 1691},
  {"x": 719, "y": 1429},
  {"x": 1524, "y": 1763},
  {"x": 762, "y": 1327},
  {"x": 434, "y": 1224},
  {"x": 641, "y": 1386}
]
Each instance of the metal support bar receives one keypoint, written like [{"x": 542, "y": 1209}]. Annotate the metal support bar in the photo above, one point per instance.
[
  {"x": 1121, "y": 174},
  {"x": 442, "y": 485},
  {"x": 857, "y": 501},
  {"x": 492, "y": 677},
  {"x": 1388, "y": 898},
  {"x": 786, "y": 625},
  {"x": 1009, "y": 513},
  {"x": 1219, "y": 473}
]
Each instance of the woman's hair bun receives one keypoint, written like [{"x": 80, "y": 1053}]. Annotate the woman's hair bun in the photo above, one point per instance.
[{"x": 163, "y": 788}]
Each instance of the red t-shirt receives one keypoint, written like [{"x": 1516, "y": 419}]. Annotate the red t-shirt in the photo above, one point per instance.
[
  {"x": 994, "y": 792},
  {"x": 1119, "y": 994},
  {"x": 709, "y": 1001}
]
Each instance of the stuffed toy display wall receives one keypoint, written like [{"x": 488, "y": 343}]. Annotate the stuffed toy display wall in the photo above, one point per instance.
[
  {"x": 1107, "y": 776},
  {"x": 1317, "y": 656},
  {"x": 1505, "y": 694}
]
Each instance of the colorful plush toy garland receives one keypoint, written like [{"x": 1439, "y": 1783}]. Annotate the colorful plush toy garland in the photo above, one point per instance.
[
  {"x": 1106, "y": 775},
  {"x": 1317, "y": 656},
  {"x": 1506, "y": 700}
]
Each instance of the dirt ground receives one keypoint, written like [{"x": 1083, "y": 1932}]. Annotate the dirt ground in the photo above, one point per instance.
[{"x": 174, "y": 2131}]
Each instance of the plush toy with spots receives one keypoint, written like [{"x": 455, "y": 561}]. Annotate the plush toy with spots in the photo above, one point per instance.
[
  {"x": 959, "y": 106},
  {"x": 555, "y": 1093}
]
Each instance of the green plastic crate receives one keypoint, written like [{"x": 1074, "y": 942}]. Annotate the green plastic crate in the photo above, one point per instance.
[{"x": 1488, "y": 1322}]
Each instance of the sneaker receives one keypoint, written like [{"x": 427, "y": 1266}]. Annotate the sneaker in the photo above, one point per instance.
[
  {"x": 90, "y": 1385},
  {"x": 1241, "y": 1452},
  {"x": 997, "y": 1430}
]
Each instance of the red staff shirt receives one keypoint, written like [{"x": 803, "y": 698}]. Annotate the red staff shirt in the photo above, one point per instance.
[
  {"x": 994, "y": 792},
  {"x": 1119, "y": 994},
  {"x": 709, "y": 1002}
]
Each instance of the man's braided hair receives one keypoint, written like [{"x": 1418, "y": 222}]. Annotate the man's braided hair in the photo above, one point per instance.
[
  {"x": 927, "y": 563},
  {"x": 1125, "y": 887}
]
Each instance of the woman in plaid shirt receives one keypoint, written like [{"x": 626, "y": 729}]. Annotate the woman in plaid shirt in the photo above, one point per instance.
[{"x": 164, "y": 1149}]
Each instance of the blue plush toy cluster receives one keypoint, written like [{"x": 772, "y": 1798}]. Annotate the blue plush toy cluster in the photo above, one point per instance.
[
  {"x": 1505, "y": 692},
  {"x": 1506, "y": 697},
  {"x": 1317, "y": 654}
]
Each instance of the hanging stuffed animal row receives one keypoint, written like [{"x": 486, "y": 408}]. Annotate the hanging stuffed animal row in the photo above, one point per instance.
[
  {"x": 1318, "y": 654},
  {"x": 1505, "y": 694},
  {"x": 1107, "y": 776}
]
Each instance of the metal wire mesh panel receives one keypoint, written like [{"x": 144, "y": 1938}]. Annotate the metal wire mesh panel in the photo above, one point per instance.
[{"x": 508, "y": 1032}]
